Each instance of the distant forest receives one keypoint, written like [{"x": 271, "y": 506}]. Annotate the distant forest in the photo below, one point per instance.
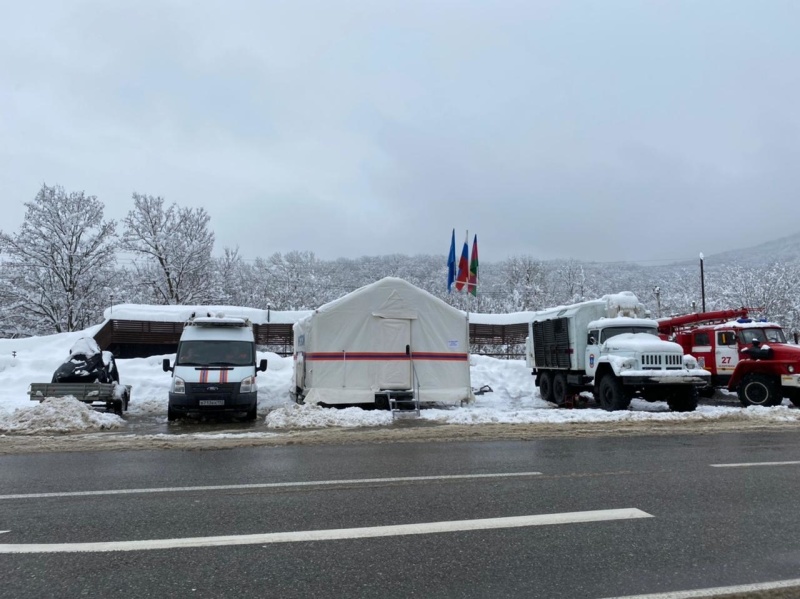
[{"x": 62, "y": 269}]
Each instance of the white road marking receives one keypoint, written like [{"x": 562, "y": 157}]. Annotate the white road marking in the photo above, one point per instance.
[
  {"x": 311, "y": 483},
  {"x": 699, "y": 593},
  {"x": 2, "y": 531},
  {"x": 748, "y": 464},
  {"x": 333, "y": 534}
]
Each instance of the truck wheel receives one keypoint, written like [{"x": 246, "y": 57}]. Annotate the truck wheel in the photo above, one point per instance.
[
  {"x": 612, "y": 394},
  {"x": 546, "y": 386},
  {"x": 559, "y": 388},
  {"x": 794, "y": 397},
  {"x": 119, "y": 407},
  {"x": 759, "y": 390},
  {"x": 684, "y": 400}
]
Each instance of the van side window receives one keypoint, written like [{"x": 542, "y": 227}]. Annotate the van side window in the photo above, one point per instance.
[{"x": 701, "y": 339}]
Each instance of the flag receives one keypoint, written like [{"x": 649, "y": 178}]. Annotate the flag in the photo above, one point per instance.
[
  {"x": 451, "y": 263},
  {"x": 473, "y": 269},
  {"x": 463, "y": 266}
]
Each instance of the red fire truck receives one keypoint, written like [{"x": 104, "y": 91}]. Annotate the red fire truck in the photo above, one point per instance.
[{"x": 745, "y": 355}]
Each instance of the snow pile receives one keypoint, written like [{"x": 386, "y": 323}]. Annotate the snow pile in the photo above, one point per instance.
[
  {"x": 312, "y": 416},
  {"x": 58, "y": 415}
]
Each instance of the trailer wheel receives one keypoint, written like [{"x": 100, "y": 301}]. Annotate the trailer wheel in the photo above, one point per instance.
[
  {"x": 546, "y": 386},
  {"x": 684, "y": 400},
  {"x": 559, "y": 388},
  {"x": 612, "y": 394},
  {"x": 759, "y": 390}
]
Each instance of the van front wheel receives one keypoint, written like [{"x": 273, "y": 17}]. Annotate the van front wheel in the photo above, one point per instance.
[{"x": 252, "y": 413}]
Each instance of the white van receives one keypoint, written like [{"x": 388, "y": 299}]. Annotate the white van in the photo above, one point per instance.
[{"x": 215, "y": 369}]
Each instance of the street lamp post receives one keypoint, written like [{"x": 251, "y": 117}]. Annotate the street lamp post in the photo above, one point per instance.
[
  {"x": 702, "y": 282},
  {"x": 657, "y": 292}
]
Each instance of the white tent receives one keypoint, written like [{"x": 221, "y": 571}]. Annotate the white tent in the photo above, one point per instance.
[{"x": 387, "y": 337}]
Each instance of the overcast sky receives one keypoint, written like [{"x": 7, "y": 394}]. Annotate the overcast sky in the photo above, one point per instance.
[{"x": 627, "y": 130}]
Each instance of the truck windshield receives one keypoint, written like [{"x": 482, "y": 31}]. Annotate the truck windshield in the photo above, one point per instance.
[
  {"x": 771, "y": 334},
  {"x": 215, "y": 353},
  {"x": 607, "y": 334}
]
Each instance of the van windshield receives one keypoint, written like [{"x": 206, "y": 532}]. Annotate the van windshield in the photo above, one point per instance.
[{"x": 215, "y": 353}]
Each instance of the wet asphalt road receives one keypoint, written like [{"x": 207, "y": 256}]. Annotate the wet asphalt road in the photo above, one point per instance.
[{"x": 710, "y": 526}]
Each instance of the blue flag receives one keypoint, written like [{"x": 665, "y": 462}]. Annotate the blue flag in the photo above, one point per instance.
[{"x": 451, "y": 263}]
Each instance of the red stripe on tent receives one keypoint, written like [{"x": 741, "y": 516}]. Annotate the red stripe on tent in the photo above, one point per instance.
[
  {"x": 360, "y": 356},
  {"x": 440, "y": 356}
]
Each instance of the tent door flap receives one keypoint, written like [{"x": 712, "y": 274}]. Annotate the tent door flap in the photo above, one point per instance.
[{"x": 394, "y": 337}]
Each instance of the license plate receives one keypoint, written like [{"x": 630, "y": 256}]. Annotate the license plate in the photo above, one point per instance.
[{"x": 212, "y": 402}]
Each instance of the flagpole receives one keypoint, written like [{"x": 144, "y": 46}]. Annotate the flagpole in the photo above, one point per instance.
[{"x": 468, "y": 297}]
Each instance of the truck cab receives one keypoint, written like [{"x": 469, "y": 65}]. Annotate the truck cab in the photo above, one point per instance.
[{"x": 215, "y": 369}]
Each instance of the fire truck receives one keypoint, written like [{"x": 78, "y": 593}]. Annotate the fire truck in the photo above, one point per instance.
[{"x": 748, "y": 356}]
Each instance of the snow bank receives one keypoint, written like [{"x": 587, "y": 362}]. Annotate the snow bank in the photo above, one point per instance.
[
  {"x": 58, "y": 415},
  {"x": 312, "y": 416}
]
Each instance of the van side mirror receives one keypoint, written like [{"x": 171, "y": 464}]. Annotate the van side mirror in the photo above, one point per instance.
[
  {"x": 262, "y": 366},
  {"x": 165, "y": 365}
]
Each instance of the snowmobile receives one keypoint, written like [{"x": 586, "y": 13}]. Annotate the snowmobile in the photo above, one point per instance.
[{"x": 87, "y": 364}]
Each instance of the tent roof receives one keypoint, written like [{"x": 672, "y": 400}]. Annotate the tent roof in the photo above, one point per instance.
[{"x": 396, "y": 305}]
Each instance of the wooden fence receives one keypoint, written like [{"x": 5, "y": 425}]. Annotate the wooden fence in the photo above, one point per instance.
[{"x": 142, "y": 338}]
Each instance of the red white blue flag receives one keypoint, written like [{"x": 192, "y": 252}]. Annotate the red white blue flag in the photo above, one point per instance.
[{"x": 463, "y": 266}]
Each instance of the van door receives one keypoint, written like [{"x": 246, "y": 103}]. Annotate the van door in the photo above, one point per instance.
[{"x": 394, "y": 371}]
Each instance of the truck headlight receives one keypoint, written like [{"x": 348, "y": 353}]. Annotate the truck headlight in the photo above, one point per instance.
[
  {"x": 627, "y": 364},
  {"x": 790, "y": 368},
  {"x": 690, "y": 362},
  {"x": 248, "y": 385},
  {"x": 178, "y": 385}
]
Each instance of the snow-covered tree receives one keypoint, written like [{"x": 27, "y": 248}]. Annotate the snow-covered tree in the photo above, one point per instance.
[
  {"x": 176, "y": 245},
  {"x": 59, "y": 266}
]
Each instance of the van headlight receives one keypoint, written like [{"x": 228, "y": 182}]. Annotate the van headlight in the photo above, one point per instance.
[
  {"x": 248, "y": 385},
  {"x": 178, "y": 385}
]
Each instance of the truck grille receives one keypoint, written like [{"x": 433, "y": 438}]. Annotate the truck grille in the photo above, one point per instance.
[
  {"x": 212, "y": 390},
  {"x": 662, "y": 362}
]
